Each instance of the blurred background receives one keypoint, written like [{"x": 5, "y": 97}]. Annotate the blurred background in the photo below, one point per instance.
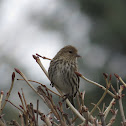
[{"x": 96, "y": 28}]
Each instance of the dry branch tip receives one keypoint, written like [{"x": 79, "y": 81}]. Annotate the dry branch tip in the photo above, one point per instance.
[
  {"x": 42, "y": 56},
  {"x": 105, "y": 75},
  {"x": 116, "y": 75},
  {"x": 35, "y": 57},
  {"x": 13, "y": 76},
  {"x": 2, "y": 92},
  {"x": 19, "y": 94},
  {"x": 17, "y": 70}
]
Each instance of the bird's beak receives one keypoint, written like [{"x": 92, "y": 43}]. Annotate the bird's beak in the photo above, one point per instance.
[{"x": 78, "y": 55}]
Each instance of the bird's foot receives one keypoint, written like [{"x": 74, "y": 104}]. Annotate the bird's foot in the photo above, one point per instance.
[{"x": 65, "y": 97}]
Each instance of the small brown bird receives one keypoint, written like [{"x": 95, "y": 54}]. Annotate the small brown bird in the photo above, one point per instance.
[{"x": 62, "y": 72}]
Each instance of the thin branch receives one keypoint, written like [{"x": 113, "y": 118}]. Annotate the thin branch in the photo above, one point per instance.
[
  {"x": 101, "y": 99},
  {"x": 41, "y": 65},
  {"x": 112, "y": 120},
  {"x": 18, "y": 71},
  {"x": 46, "y": 119},
  {"x": 122, "y": 81},
  {"x": 21, "y": 100},
  {"x": 2, "y": 121},
  {"x": 24, "y": 98},
  {"x": 119, "y": 78},
  {"x": 75, "y": 111},
  {"x": 102, "y": 119},
  {"x": 8, "y": 94},
  {"x": 121, "y": 106},
  {"x": 96, "y": 107},
  {"x": 43, "y": 86},
  {"x": 22, "y": 120},
  {"x": 113, "y": 89},
  {"x": 95, "y": 83},
  {"x": 1, "y": 98},
  {"x": 82, "y": 98},
  {"x": 48, "y": 102},
  {"x": 37, "y": 112},
  {"x": 14, "y": 105},
  {"x": 42, "y": 56},
  {"x": 108, "y": 108}
]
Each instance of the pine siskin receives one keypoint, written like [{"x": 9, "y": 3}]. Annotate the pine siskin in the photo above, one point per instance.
[{"x": 62, "y": 72}]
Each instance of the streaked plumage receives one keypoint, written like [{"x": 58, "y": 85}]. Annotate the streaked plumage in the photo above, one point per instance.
[{"x": 62, "y": 71}]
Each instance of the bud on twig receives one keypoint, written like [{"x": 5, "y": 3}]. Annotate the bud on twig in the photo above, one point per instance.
[
  {"x": 105, "y": 75},
  {"x": 19, "y": 94},
  {"x": 117, "y": 76},
  {"x": 2, "y": 92},
  {"x": 17, "y": 70},
  {"x": 13, "y": 76},
  {"x": 35, "y": 57}
]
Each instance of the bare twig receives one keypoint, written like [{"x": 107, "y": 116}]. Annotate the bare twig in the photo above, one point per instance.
[
  {"x": 95, "y": 83},
  {"x": 119, "y": 78},
  {"x": 103, "y": 96},
  {"x": 46, "y": 120},
  {"x": 14, "y": 105},
  {"x": 112, "y": 120},
  {"x": 113, "y": 89},
  {"x": 8, "y": 94},
  {"x": 1, "y": 98},
  {"x": 96, "y": 107},
  {"x": 121, "y": 106},
  {"x": 24, "y": 98},
  {"x": 48, "y": 102},
  {"x": 102, "y": 119},
  {"x": 2, "y": 121},
  {"x": 18, "y": 71},
  {"x": 42, "y": 56},
  {"x": 41, "y": 65},
  {"x": 22, "y": 120},
  {"x": 21, "y": 100},
  {"x": 108, "y": 108},
  {"x": 82, "y": 97},
  {"x": 120, "y": 97},
  {"x": 43, "y": 86},
  {"x": 37, "y": 112},
  {"x": 75, "y": 111}
]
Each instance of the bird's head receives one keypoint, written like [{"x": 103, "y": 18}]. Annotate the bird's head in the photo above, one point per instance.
[{"x": 68, "y": 53}]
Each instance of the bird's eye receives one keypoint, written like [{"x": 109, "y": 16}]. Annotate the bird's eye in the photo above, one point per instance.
[{"x": 70, "y": 51}]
